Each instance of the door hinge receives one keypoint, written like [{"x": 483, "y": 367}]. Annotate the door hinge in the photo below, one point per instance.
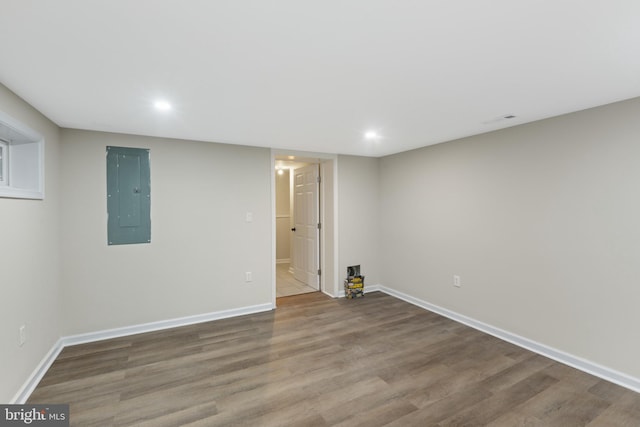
[
  {"x": 319, "y": 272},
  {"x": 318, "y": 179},
  {"x": 319, "y": 226}
]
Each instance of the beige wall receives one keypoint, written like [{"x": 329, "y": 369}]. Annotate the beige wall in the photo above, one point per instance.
[
  {"x": 541, "y": 222},
  {"x": 201, "y": 245},
  {"x": 29, "y": 262},
  {"x": 359, "y": 223}
]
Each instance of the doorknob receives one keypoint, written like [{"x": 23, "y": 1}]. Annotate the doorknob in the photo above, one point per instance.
[{"x": 293, "y": 229}]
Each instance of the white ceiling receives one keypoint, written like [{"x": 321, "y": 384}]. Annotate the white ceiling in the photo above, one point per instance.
[{"x": 315, "y": 75}]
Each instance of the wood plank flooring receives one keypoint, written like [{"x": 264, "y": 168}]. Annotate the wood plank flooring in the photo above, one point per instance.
[{"x": 316, "y": 361}]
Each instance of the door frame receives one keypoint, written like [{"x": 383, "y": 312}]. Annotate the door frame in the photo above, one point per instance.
[{"x": 328, "y": 217}]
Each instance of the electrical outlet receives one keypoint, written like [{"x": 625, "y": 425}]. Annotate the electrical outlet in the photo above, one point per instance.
[
  {"x": 22, "y": 335},
  {"x": 248, "y": 277},
  {"x": 248, "y": 217},
  {"x": 456, "y": 281}
]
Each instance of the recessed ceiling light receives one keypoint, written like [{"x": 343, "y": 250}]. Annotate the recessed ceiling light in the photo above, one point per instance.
[
  {"x": 291, "y": 157},
  {"x": 162, "y": 105},
  {"x": 371, "y": 135}
]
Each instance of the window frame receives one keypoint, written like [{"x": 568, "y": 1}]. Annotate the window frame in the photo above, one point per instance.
[
  {"x": 4, "y": 163},
  {"x": 23, "y": 160}
]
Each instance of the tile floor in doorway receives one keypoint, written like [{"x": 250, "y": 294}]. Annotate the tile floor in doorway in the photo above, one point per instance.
[{"x": 287, "y": 285}]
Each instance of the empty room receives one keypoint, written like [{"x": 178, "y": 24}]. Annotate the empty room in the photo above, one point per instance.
[{"x": 287, "y": 213}]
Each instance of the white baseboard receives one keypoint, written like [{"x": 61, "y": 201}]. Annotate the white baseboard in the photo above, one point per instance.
[
  {"x": 283, "y": 261},
  {"x": 30, "y": 385},
  {"x": 36, "y": 376},
  {"x": 327, "y": 294},
  {"x": 584, "y": 365},
  {"x": 162, "y": 324}
]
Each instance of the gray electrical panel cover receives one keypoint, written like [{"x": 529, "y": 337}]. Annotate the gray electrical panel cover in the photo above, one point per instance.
[{"x": 128, "y": 196}]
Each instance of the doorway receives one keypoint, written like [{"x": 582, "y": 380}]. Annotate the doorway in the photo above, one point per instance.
[
  {"x": 304, "y": 241},
  {"x": 297, "y": 227}
]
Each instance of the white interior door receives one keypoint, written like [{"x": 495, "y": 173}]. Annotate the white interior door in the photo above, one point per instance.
[{"x": 305, "y": 232}]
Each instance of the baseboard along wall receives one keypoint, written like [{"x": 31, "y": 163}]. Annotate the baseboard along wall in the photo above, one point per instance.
[
  {"x": 25, "y": 391},
  {"x": 584, "y": 365},
  {"x": 579, "y": 363}
]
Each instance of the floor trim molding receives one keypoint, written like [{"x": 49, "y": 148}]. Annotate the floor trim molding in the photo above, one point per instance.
[
  {"x": 162, "y": 324},
  {"x": 34, "y": 379},
  {"x": 44, "y": 365},
  {"x": 584, "y": 365}
]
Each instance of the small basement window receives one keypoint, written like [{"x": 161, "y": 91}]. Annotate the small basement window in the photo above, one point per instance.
[{"x": 21, "y": 160}]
